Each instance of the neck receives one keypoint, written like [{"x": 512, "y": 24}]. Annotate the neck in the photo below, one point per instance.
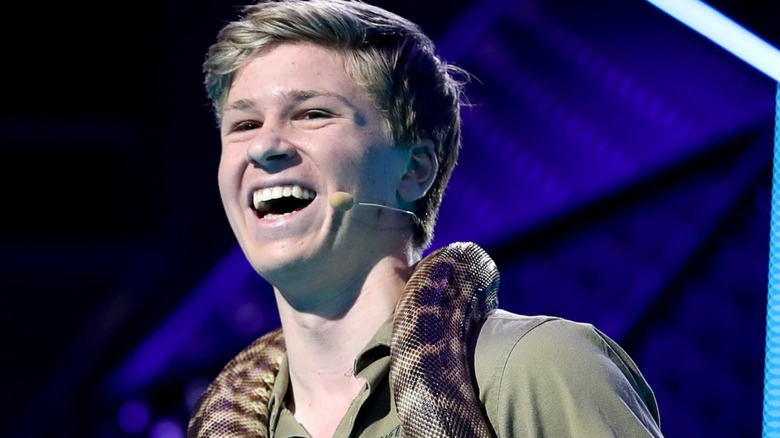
[
  {"x": 323, "y": 341},
  {"x": 337, "y": 322}
]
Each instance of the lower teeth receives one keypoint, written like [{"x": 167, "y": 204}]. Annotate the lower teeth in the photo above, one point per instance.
[{"x": 276, "y": 215}]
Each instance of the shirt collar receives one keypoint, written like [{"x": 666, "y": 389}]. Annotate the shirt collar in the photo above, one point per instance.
[
  {"x": 276, "y": 402},
  {"x": 377, "y": 348}
]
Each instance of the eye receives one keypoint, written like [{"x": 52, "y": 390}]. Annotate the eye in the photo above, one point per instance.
[
  {"x": 314, "y": 114},
  {"x": 245, "y": 125}
]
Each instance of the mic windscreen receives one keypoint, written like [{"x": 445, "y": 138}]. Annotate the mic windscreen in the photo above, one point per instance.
[{"x": 342, "y": 201}]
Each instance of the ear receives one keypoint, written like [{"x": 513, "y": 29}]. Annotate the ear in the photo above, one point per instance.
[{"x": 420, "y": 172}]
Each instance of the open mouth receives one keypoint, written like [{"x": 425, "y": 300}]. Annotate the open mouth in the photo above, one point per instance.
[{"x": 273, "y": 202}]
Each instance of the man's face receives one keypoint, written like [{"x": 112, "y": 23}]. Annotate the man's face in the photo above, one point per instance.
[{"x": 296, "y": 128}]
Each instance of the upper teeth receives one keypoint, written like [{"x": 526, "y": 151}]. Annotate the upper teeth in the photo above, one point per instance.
[{"x": 278, "y": 192}]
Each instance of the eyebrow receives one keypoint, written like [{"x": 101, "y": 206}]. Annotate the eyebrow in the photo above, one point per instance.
[{"x": 296, "y": 96}]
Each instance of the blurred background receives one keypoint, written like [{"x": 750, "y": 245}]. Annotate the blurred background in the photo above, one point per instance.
[{"x": 616, "y": 164}]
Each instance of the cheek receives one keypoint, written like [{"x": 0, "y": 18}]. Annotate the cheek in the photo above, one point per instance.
[
  {"x": 343, "y": 161},
  {"x": 229, "y": 178},
  {"x": 229, "y": 183},
  {"x": 383, "y": 165}
]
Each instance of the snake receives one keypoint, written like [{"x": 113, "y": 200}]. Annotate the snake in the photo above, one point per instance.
[{"x": 442, "y": 306}]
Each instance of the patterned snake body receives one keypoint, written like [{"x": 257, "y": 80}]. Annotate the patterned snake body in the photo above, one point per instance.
[
  {"x": 443, "y": 303},
  {"x": 236, "y": 403}
]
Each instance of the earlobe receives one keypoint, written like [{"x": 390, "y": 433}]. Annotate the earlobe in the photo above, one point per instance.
[{"x": 420, "y": 173}]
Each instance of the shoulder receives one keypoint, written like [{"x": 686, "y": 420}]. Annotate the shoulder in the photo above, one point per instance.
[
  {"x": 558, "y": 375},
  {"x": 508, "y": 339},
  {"x": 534, "y": 344},
  {"x": 529, "y": 340}
]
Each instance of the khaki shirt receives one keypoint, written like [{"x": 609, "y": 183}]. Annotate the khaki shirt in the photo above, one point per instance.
[{"x": 536, "y": 376}]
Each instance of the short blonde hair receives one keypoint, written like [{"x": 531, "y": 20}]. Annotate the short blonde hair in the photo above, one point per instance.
[{"x": 396, "y": 63}]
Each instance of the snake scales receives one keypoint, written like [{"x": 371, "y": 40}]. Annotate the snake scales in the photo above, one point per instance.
[{"x": 443, "y": 302}]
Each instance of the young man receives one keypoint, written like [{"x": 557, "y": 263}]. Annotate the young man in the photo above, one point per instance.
[{"x": 340, "y": 127}]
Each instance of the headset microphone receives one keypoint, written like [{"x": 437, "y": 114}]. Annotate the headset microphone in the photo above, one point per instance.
[{"x": 343, "y": 201}]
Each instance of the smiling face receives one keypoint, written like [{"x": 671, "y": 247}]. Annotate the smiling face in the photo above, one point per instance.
[{"x": 297, "y": 127}]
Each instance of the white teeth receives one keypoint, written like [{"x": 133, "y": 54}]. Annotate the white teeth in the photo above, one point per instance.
[{"x": 262, "y": 195}]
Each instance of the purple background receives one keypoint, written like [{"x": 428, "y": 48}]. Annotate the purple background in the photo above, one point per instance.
[{"x": 616, "y": 164}]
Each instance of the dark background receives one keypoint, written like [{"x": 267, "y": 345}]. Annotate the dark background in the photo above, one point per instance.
[{"x": 617, "y": 165}]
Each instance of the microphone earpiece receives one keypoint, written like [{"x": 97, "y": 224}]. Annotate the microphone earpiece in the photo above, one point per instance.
[{"x": 343, "y": 201}]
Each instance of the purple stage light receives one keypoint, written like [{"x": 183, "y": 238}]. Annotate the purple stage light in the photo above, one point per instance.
[{"x": 133, "y": 416}]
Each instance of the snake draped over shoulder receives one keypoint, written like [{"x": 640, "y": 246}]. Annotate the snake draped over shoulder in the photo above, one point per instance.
[{"x": 442, "y": 305}]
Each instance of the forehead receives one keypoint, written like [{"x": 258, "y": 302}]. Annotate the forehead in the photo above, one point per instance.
[{"x": 291, "y": 67}]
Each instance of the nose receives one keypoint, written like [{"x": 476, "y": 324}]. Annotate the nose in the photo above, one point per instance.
[{"x": 270, "y": 150}]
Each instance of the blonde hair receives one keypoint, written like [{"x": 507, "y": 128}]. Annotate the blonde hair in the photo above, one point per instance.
[{"x": 396, "y": 63}]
